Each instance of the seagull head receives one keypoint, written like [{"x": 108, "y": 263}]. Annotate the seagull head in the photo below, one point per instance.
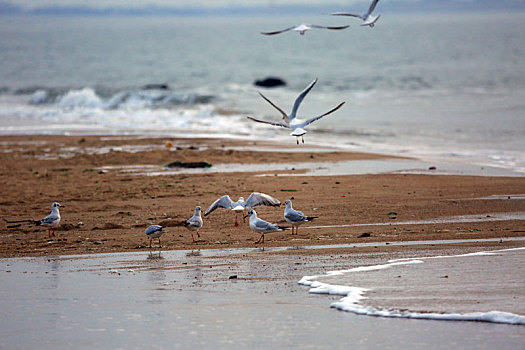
[
  {"x": 197, "y": 209},
  {"x": 56, "y": 205},
  {"x": 250, "y": 213},
  {"x": 288, "y": 203}
]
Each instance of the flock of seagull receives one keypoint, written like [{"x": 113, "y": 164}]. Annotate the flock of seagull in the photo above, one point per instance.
[
  {"x": 292, "y": 216},
  {"x": 195, "y": 223},
  {"x": 290, "y": 121}
]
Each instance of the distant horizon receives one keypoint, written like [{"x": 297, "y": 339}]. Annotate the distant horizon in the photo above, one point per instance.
[{"x": 8, "y": 8}]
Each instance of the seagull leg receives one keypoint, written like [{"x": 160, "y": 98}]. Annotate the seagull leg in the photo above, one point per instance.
[
  {"x": 302, "y": 139},
  {"x": 243, "y": 217},
  {"x": 150, "y": 242},
  {"x": 260, "y": 239},
  {"x": 297, "y": 139},
  {"x": 236, "y": 223},
  {"x": 160, "y": 245},
  {"x": 193, "y": 238},
  {"x": 198, "y": 235}
]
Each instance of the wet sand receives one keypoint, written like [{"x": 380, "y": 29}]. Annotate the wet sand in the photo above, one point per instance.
[
  {"x": 107, "y": 211},
  {"x": 220, "y": 298}
]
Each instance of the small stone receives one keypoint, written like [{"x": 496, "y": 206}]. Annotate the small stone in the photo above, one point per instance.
[{"x": 232, "y": 277}]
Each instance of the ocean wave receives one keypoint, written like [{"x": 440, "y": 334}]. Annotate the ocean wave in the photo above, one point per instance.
[
  {"x": 149, "y": 96},
  {"x": 353, "y": 296}
]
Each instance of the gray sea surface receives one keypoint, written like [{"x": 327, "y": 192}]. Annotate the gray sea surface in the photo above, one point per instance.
[{"x": 447, "y": 85}]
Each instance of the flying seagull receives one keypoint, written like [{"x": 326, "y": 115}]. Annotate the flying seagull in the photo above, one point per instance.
[
  {"x": 290, "y": 121},
  {"x": 194, "y": 223},
  {"x": 368, "y": 18},
  {"x": 52, "y": 220},
  {"x": 255, "y": 199},
  {"x": 261, "y": 226},
  {"x": 302, "y": 28}
]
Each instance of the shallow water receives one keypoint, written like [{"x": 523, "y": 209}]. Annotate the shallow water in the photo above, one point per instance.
[{"x": 182, "y": 299}]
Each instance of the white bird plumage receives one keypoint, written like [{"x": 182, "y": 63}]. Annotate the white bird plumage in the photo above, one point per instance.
[
  {"x": 368, "y": 18},
  {"x": 154, "y": 231},
  {"x": 254, "y": 199},
  {"x": 295, "y": 217},
  {"x": 303, "y": 28},
  {"x": 194, "y": 223},
  {"x": 261, "y": 226},
  {"x": 52, "y": 220},
  {"x": 290, "y": 120}
]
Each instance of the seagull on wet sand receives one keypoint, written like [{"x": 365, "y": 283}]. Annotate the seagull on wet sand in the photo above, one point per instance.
[
  {"x": 302, "y": 28},
  {"x": 291, "y": 121},
  {"x": 194, "y": 223},
  {"x": 295, "y": 217},
  {"x": 52, "y": 220},
  {"x": 261, "y": 226},
  {"x": 368, "y": 18},
  {"x": 154, "y": 231},
  {"x": 255, "y": 199}
]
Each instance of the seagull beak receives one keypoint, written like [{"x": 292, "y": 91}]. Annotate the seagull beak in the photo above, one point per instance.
[{"x": 245, "y": 216}]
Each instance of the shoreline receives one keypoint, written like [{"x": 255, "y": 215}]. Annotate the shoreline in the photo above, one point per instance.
[{"x": 107, "y": 210}]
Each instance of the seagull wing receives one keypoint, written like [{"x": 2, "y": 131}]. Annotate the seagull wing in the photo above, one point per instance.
[
  {"x": 257, "y": 198},
  {"x": 372, "y": 6},
  {"x": 223, "y": 202},
  {"x": 193, "y": 221},
  {"x": 285, "y": 117},
  {"x": 300, "y": 98},
  {"x": 265, "y": 226},
  {"x": 279, "y": 31},
  {"x": 347, "y": 14},
  {"x": 267, "y": 122},
  {"x": 295, "y": 216},
  {"x": 48, "y": 220},
  {"x": 311, "y": 120},
  {"x": 332, "y": 28}
]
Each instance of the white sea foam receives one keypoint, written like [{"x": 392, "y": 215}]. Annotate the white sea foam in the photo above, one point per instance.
[{"x": 354, "y": 295}]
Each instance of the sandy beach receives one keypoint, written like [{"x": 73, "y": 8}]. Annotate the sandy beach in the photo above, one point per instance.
[{"x": 107, "y": 210}]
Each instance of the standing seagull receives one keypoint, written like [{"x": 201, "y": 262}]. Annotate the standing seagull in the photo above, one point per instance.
[
  {"x": 368, "y": 18},
  {"x": 154, "y": 231},
  {"x": 302, "y": 28},
  {"x": 290, "y": 121},
  {"x": 52, "y": 220},
  {"x": 261, "y": 226},
  {"x": 194, "y": 223},
  {"x": 255, "y": 199},
  {"x": 295, "y": 217}
]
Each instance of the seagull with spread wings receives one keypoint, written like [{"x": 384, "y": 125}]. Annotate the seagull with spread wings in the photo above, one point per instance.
[
  {"x": 255, "y": 199},
  {"x": 368, "y": 18},
  {"x": 302, "y": 28},
  {"x": 291, "y": 121}
]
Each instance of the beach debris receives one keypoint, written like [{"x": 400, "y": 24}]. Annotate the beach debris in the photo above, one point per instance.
[
  {"x": 364, "y": 234},
  {"x": 154, "y": 231},
  {"x": 232, "y": 277},
  {"x": 179, "y": 164},
  {"x": 194, "y": 223},
  {"x": 108, "y": 226},
  {"x": 289, "y": 120},
  {"x": 168, "y": 144},
  {"x": 432, "y": 168},
  {"x": 261, "y": 226},
  {"x": 295, "y": 217},
  {"x": 254, "y": 199},
  {"x": 270, "y": 82},
  {"x": 101, "y": 171}
]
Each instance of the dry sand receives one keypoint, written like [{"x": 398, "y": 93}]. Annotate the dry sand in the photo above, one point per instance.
[{"x": 108, "y": 212}]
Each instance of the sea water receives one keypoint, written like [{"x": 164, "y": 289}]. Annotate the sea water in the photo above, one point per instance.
[{"x": 427, "y": 85}]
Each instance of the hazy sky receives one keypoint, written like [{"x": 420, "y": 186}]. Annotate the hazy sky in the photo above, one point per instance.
[{"x": 29, "y": 4}]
